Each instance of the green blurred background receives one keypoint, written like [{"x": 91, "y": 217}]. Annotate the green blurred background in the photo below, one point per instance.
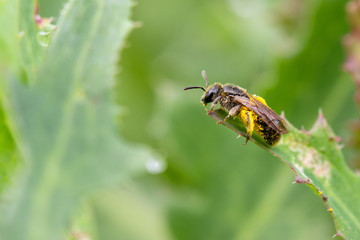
[{"x": 207, "y": 184}]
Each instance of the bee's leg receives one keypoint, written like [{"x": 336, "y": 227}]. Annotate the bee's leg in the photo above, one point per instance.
[
  {"x": 233, "y": 112},
  {"x": 214, "y": 103},
  {"x": 248, "y": 119}
]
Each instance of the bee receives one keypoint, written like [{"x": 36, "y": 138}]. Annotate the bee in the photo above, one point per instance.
[{"x": 251, "y": 109}]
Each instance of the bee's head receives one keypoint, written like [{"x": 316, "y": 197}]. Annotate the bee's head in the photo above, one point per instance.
[{"x": 211, "y": 92}]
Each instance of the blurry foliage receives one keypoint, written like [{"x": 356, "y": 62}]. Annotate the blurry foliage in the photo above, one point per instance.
[
  {"x": 213, "y": 187},
  {"x": 352, "y": 65},
  {"x": 62, "y": 116}
]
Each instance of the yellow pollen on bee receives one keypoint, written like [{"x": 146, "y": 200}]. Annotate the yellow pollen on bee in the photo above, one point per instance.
[
  {"x": 330, "y": 210},
  {"x": 260, "y": 99},
  {"x": 248, "y": 118}
]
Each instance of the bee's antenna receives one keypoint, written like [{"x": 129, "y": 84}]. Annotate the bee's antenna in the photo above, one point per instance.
[
  {"x": 202, "y": 88},
  {"x": 204, "y": 76}
]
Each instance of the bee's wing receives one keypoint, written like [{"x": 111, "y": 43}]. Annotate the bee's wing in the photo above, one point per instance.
[{"x": 263, "y": 111}]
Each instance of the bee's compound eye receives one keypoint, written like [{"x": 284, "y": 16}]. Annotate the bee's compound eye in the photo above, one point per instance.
[{"x": 208, "y": 97}]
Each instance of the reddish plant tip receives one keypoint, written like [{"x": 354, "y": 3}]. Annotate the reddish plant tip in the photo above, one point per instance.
[
  {"x": 40, "y": 22},
  {"x": 320, "y": 115},
  {"x": 320, "y": 123},
  {"x": 339, "y": 235},
  {"x": 37, "y": 17},
  {"x": 282, "y": 115}
]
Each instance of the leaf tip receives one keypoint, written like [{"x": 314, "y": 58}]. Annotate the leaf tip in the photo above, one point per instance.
[
  {"x": 282, "y": 115},
  {"x": 321, "y": 124}
]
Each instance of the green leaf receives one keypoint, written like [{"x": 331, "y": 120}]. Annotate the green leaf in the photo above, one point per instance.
[
  {"x": 64, "y": 122},
  {"x": 8, "y": 158},
  {"x": 315, "y": 157},
  {"x": 8, "y": 60}
]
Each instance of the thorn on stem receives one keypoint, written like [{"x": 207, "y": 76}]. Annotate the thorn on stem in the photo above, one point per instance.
[
  {"x": 335, "y": 138},
  {"x": 301, "y": 180}
]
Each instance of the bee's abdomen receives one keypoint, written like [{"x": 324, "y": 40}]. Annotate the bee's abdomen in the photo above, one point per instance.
[{"x": 270, "y": 136}]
